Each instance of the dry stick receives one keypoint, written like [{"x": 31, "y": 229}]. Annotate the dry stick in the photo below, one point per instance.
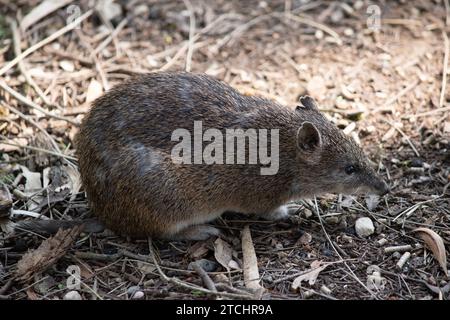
[
  {"x": 34, "y": 123},
  {"x": 40, "y": 150},
  {"x": 47, "y": 40},
  {"x": 427, "y": 113},
  {"x": 28, "y": 78},
  {"x": 32, "y": 104},
  {"x": 300, "y": 273},
  {"x": 396, "y": 97},
  {"x": 185, "y": 45},
  {"x": 190, "y": 286},
  {"x": 242, "y": 28},
  {"x": 314, "y": 24},
  {"x": 204, "y": 276},
  {"x": 94, "y": 57},
  {"x": 404, "y": 136},
  {"x": 316, "y": 207},
  {"x": 444, "y": 71},
  {"x": 447, "y": 12},
  {"x": 188, "y": 5},
  {"x": 113, "y": 35}
]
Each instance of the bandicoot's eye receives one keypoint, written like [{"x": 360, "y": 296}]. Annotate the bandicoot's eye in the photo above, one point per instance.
[{"x": 350, "y": 169}]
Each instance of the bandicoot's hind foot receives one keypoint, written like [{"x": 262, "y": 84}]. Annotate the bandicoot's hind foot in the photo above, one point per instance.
[
  {"x": 196, "y": 232},
  {"x": 283, "y": 212}
]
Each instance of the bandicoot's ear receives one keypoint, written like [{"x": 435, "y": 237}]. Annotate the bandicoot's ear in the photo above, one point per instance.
[
  {"x": 308, "y": 137},
  {"x": 306, "y": 102}
]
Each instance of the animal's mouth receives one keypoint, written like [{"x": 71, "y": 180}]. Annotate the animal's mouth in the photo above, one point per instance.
[{"x": 379, "y": 189}]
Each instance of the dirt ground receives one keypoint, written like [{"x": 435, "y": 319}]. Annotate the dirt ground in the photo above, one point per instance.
[{"x": 381, "y": 78}]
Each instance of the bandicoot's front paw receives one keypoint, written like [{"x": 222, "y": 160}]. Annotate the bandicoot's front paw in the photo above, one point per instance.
[
  {"x": 283, "y": 212},
  {"x": 197, "y": 232}
]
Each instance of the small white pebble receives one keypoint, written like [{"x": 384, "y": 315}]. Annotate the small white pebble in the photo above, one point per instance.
[
  {"x": 308, "y": 294},
  {"x": 364, "y": 227},
  {"x": 318, "y": 34},
  {"x": 138, "y": 295},
  {"x": 72, "y": 295},
  {"x": 349, "y": 32}
]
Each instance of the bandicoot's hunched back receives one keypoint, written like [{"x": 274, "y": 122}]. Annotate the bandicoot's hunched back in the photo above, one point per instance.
[{"x": 136, "y": 187}]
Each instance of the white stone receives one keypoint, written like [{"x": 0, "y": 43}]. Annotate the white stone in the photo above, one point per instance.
[
  {"x": 72, "y": 295},
  {"x": 364, "y": 227}
]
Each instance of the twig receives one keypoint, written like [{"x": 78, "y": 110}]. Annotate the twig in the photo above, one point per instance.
[
  {"x": 316, "y": 207},
  {"x": 427, "y": 113},
  {"x": 28, "y": 78},
  {"x": 188, "y": 285},
  {"x": 188, "y": 5},
  {"x": 297, "y": 274},
  {"x": 413, "y": 147},
  {"x": 28, "y": 214},
  {"x": 385, "y": 106},
  {"x": 204, "y": 276},
  {"x": 34, "y": 123},
  {"x": 185, "y": 44},
  {"x": 444, "y": 69},
  {"x": 40, "y": 150},
  {"x": 314, "y": 24},
  {"x": 447, "y": 12},
  {"x": 44, "y": 42},
  {"x": 33, "y": 105},
  {"x": 406, "y": 247},
  {"x": 114, "y": 34}
]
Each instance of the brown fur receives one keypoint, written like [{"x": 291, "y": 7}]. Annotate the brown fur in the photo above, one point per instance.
[{"x": 133, "y": 186}]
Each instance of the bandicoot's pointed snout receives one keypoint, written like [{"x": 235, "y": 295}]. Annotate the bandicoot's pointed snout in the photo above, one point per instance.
[{"x": 383, "y": 189}]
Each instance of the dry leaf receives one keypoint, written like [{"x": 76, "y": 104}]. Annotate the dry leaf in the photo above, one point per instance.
[
  {"x": 435, "y": 244},
  {"x": 372, "y": 201},
  {"x": 223, "y": 254},
  {"x": 31, "y": 294},
  {"x": 67, "y": 65},
  {"x": 45, "y": 8},
  {"x": 145, "y": 268},
  {"x": 109, "y": 9},
  {"x": 33, "y": 185},
  {"x": 95, "y": 90},
  {"x": 33, "y": 182},
  {"x": 305, "y": 238},
  {"x": 50, "y": 251},
  {"x": 309, "y": 275},
  {"x": 198, "y": 250},
  {"x": 5, "y": 201},
  {"x": 251, "y": 273},
  {"x": 347, "y": 202},
  {"x": 390, "y": 134}
]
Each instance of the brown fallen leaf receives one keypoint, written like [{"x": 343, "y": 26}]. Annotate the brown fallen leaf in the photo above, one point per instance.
[
  {"x": 224, "y": 254},
  {"x": 50, "y": 251},
  {"x": 251, "y": 273},
  {"x": 31, "y": 294},
  {"x": 198, "y": 250},
  {"x": 94, "y": 90},
  {"x": 5, "y": 201},
  {"x": 43, "y": 9},
  {"x": 310, "y": 275},
  {"x": 435, "y": 244}
]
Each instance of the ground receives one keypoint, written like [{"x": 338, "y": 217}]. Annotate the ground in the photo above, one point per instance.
[{"x": 381, "y": 78}]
